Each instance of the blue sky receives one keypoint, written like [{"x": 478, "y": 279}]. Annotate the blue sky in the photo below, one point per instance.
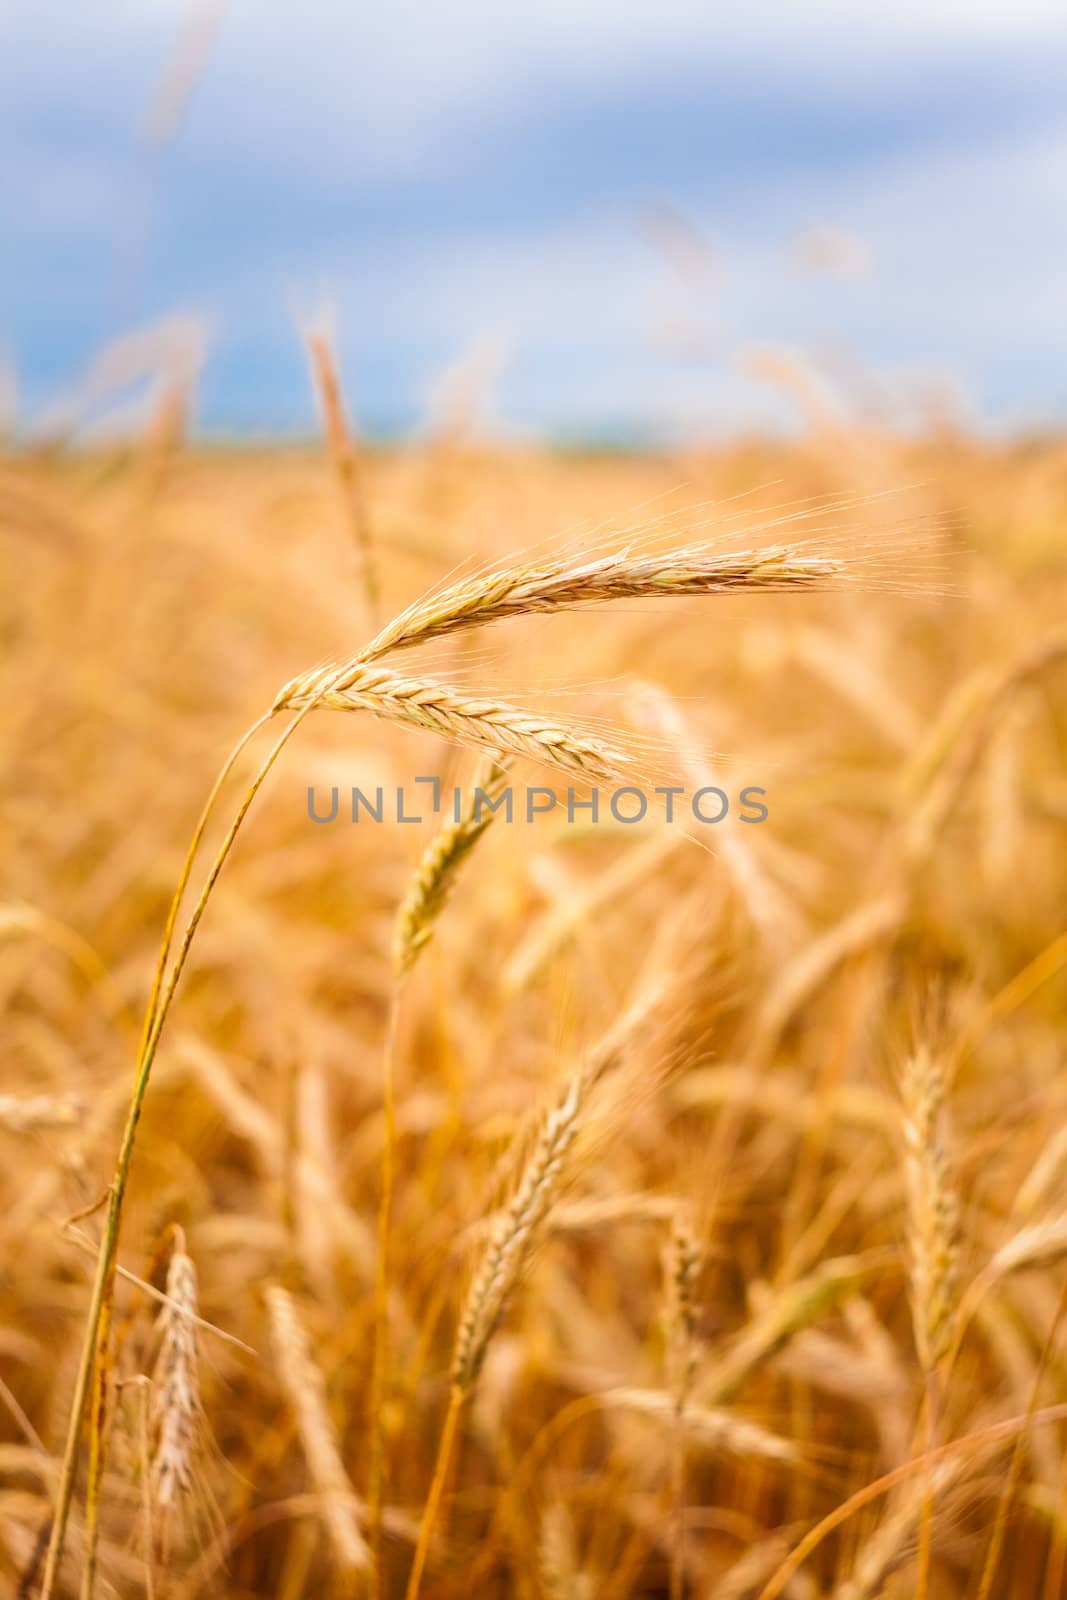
[{"x": 591, "y": 217}]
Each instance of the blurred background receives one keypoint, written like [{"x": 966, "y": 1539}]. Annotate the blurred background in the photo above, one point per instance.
[{"x": 600, "y": 222}]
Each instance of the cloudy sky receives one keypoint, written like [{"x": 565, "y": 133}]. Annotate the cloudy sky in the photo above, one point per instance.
[{"x": 591, "y": 218}]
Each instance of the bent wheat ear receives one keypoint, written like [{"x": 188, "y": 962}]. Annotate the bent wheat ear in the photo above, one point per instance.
[
  {"x": 436, "y": 873},
  {"x": 306, "y": 1393},
  {"x": 563, "y": 584},
  {"x": 465, "y": 719}
]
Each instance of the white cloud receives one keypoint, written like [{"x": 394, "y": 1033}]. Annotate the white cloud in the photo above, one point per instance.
[
  {"x": 961, "y": 232},
  {"x": 388, "y": 88}
]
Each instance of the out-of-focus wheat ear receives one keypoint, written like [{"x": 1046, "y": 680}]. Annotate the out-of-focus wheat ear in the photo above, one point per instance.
[
  {"x": 346, "y": 467},
  {"x": 949, "y": 756},
  {"x": 516, "y": 1232},
  {"x": 745, "y": 1578},
  {"x": 28, "y": 1113},
  {"x": 682, "y": 1271},
  {"x": 452, "y": 714},
  {"x": 893, "y": 1542},
  {"x": 436, "y": 874},
  {"x": 175, "y": 1408},
  {"x": 1040, "y": 1244},
  {"x": 559, "y": 1574},
  {"x": 762, "y": 897},
  {"x": 305, "y": 1391},
  {"x": 716, "y": 1431},
  {"x": 792, "y": 1308},
  {"x": 933, "y": 1207},
  {"x": 510, "y": 1243},
  {"x": 684, "y": 1259},
  {"x": 933, "y": 1240}
]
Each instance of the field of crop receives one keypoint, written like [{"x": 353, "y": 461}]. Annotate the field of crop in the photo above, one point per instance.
[{"x": 552, "y": 1206}]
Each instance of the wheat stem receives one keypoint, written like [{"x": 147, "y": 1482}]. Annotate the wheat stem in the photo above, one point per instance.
[
  {"x": 346, "y": 467},
  {"x": 445, "y": 1448},
  {"x": 380, "y": 1369}
]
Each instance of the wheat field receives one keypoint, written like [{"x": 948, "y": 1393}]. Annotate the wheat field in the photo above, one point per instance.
[{"x": 546, "y": 1207}]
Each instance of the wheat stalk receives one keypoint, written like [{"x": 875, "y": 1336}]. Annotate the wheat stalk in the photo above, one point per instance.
[
  {"x": 306, "y": 1393},
  {"x": 345, "y": 465}
]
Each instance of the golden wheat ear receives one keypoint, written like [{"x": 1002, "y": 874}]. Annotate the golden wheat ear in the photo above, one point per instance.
[{"x": 453, "y": 714}]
